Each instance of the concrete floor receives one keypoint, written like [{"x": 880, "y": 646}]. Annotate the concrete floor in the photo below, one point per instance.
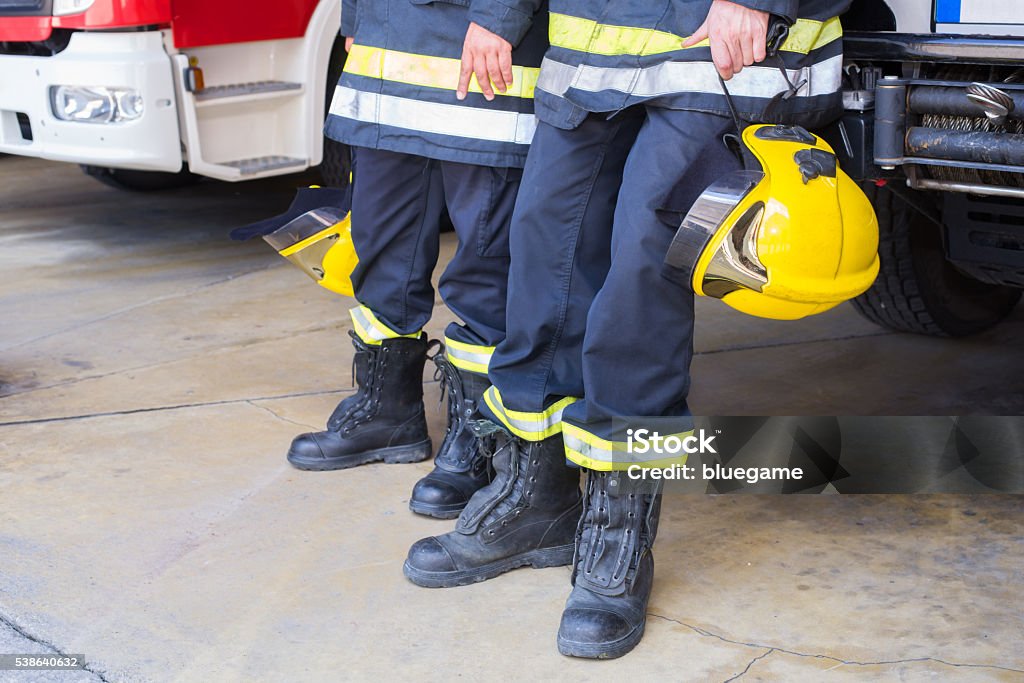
[{"x": 152, "y": 374}]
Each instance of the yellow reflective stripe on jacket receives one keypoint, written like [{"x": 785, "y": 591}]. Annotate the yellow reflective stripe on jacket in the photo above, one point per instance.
[
  {"x": 428, "y": 72},
  {"x": 371, "y": 330},
  {"x": 455, "y": 120},
  {"x": 591, "y": 451},
  {"x": 469, "y": 357},
  {"x": 529, "y": 426},
  {"x": 586, "y": 35}
]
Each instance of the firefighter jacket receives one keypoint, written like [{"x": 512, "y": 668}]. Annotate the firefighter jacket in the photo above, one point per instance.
[
  {"x": 397, "y": 91},
  {"x": 606, "y": 55}
]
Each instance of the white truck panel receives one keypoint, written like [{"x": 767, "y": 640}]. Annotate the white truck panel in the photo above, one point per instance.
[{"x": 135, "y": 60}]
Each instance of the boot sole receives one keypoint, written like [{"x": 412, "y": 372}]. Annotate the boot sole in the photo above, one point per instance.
[
  {"x": 436, "y": 511},
  {"x": 557, "y": 556},
  {"x": 613, "y": 650},
  {"x": 417, "y": 452}
]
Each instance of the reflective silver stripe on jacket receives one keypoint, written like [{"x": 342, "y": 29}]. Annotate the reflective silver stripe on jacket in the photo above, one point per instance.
[
  {"x": 431, "y": 117},
  {"x": 669, "y": 78}
]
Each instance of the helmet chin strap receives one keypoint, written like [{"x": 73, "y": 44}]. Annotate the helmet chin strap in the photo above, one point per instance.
[
  {"x": 778, "y": 31},
  {"x": 733, "y": 141}
]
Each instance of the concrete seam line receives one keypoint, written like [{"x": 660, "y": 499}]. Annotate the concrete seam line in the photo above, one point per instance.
[
  {"x": 812, "y": 655},
  {"x": 150, "y": 366},
  {"x": 849, "y": 337},
  {"x": 179, "y": 406},
  {"x": 751, "y": 663},
  {"x": 282, "y": 418},
  {"x": 141, "y": 304},
  {"x": 156, "y": 409},
  {"x": 6, "y": 621},
  {"x": 176, "y": 407}
]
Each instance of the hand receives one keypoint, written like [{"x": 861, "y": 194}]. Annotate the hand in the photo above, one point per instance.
[
  {"x": 348, "y": 43},
  {"x": 489, "y": 56},
  {"x": 737, "y": 35}
]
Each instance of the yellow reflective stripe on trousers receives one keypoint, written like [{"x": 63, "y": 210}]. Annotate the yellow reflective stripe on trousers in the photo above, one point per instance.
[
  {"x": 529, "y": 426},
  {"x": 371, "y": 330},
  {"x": 594, "y": 453},
  {"x": 431, "y": 117},
  {"x": 429, "y": 72},
  {"x": 670, "y": 78},
  {"x": 469, "y": 357},
  {"x": 586, "y": 35}
]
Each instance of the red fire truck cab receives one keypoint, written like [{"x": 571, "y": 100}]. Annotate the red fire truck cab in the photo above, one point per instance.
[{"x": 232, "y": 89}]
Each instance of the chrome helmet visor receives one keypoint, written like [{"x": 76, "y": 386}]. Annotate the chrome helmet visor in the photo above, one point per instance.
[
  {"x": 313, "y": 226},
  {"x": 735, "y": 263}
]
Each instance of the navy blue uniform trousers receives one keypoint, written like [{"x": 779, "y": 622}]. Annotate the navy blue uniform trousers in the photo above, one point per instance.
[
  {"x": 594, "y": 332},
  {"x": 398, "y": 202}
]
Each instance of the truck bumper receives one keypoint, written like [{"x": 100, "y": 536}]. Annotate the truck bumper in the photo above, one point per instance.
[{"x": 126, "y": 60}]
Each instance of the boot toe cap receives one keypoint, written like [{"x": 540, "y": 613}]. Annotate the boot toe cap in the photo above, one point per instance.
[
  {"x": 431, "y": 490},
  {"x": 429, "y": 555},
  {"x": 591, "y": 626},
  {"x": 305, "y": 449}
]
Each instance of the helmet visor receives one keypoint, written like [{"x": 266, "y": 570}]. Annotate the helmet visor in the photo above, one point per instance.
[
  {"x": 305, "y": 240},
  {"x": 734, "y": 263}
]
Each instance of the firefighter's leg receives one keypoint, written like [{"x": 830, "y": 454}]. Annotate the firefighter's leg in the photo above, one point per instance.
[
  {"x": 480, "y": 200},
  {"x": 559, "y": 244},
  {"x": 397, "y": 203},
  {"x": 636, "y": 358}
]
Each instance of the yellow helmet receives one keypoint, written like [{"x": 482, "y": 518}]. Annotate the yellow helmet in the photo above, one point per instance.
[
  {"x": 789, "y": 236},
  {"x": 319, "y": 242}
]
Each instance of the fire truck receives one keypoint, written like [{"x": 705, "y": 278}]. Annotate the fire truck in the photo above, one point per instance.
[
  {"x": 153, "y": 93},
  {"x": 146, "y": 93},
  {"x": 934, "y": 130}
]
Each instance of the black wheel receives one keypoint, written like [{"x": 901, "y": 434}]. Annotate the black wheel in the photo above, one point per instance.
[
  {"x": 917, "y": 289},
  {"x": 335, "y": 167},
  {"x": 141, "y": 181}
]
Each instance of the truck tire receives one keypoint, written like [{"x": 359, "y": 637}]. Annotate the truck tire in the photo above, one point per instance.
[
  {"x": 917, "y": 289},
  {"x": 335, "y": 167},
  {"x": 140, "y": 181}
]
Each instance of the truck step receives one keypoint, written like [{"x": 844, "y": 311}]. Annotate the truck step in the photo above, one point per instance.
[
  {"x": 235, "y": 90},
  {"x": 261, "y": 164}
]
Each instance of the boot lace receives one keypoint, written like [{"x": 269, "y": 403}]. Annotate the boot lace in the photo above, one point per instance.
[
  {"x": 507, "y": 486},
  {"x": 452, "y": 388},
  {"x": 348, "y": 406},
  {"x": 613, "y": 532},
  {"x": 370, "y": 405}
]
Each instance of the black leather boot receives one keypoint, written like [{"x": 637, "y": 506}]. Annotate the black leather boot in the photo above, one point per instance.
[
  {"x": 613, "y": 568},
  {"x": 460, "y": 467},
  {"x": 386, "y": 422},
  {"x": 527, "y": 516}
]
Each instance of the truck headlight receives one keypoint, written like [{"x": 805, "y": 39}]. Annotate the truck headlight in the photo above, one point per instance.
[
  {"x": 65, "y": 7},
  {"x": 95, "y": 104}
]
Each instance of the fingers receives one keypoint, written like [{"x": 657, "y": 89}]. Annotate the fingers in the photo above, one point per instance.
[
  {"x": 505, "y": 63},
  {"x": 698, "y": 35},
  {"x": 722, "y": 59},
  {"x": 735, "y": 55},
  {"x": 488, "y": 56},
  {"x": 482, "y": 77},
  {"x": 494, "y": 72},
  {"x": 761, "y": 47},
  {"x": 465, "y": 73},
  {"x": 348, "y": 43},
  {"x": 746, "y": 44}
]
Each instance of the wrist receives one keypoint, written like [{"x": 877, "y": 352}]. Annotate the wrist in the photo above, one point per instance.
[
  {"x": 505, "y": 22},
  {"x": 787, "y": 9}
]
